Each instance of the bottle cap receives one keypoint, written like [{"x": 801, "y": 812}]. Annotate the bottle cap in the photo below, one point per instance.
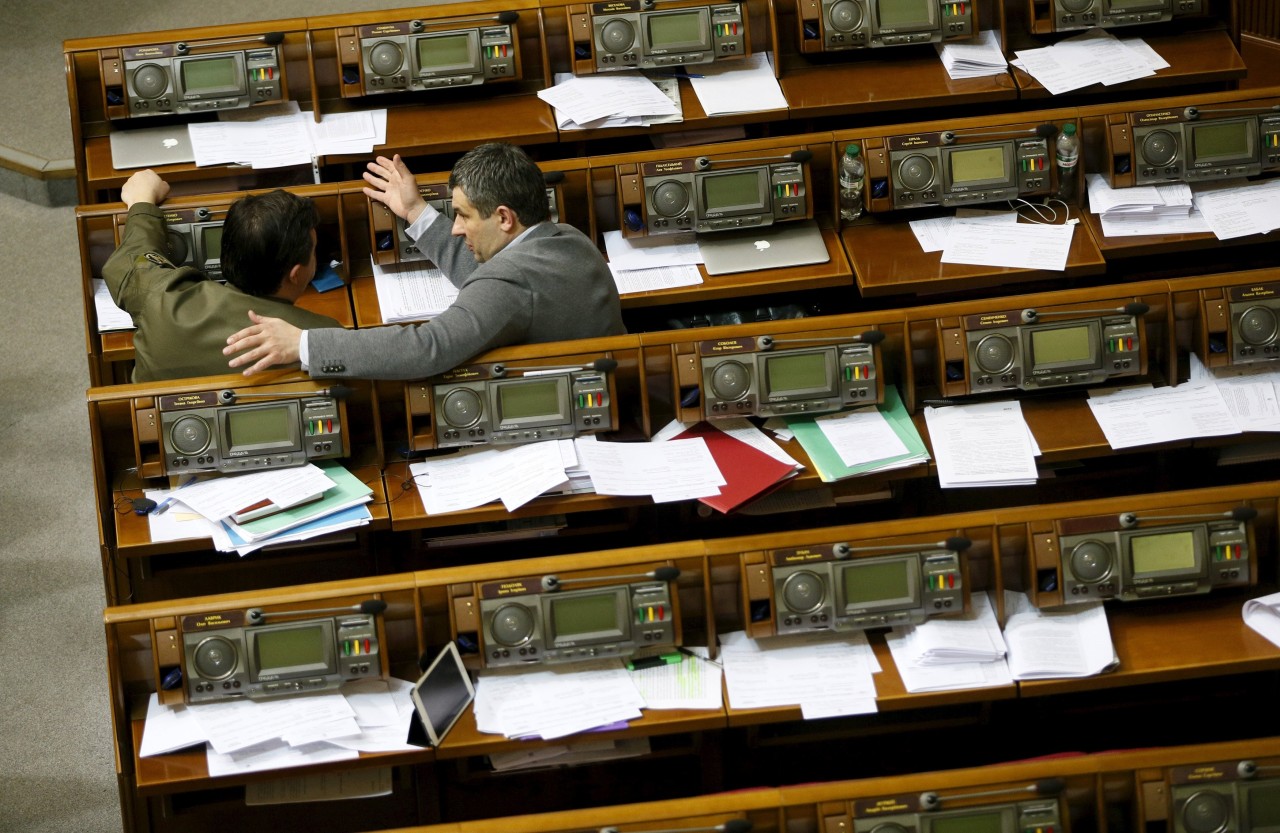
[
  {"x": 1068, "y": 129},
  {"x": 852, "y": 150}
]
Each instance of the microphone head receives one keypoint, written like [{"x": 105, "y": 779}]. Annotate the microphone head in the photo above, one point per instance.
[
  {"x": 1050, "y": 786},
  {"x": 254, "y": 616},
  {"x": 1047, "y": 131},
  {"x": 227, "y": 396},
  {"x": 957, "y": 543},
  {"x": 498, "y": 371},
  {"x": 929, "y": 801},
  {"x": 736, "y": 826},
  {"x": 667, "y": 573},
  {"x": 801, "y": 155},
  {"x": 549, "y": 177},
  {"x": 508, "y": 17},
  {"x": 1029, "y": 316},
  {"x": 947, "y": 137},
  {"x": 338, "y": 391},
  {"x": 273, "y": 38},
  {"x": 373, "y": 606},
  {"x": 1128, "y": 519},
  {"x": 1191, "y": 113},
  {"x": 871, "y": 337},
  {"x": 764, "y": 343},
  {"x": 550, "y": 583},
  {"x": 702, "y": 163},
  {"x": 605, "y": 365},
  {"x": 1244, "y": 513},
  {"x": 1246, "y": 769},
  {"x": 1136, "y": 308}
]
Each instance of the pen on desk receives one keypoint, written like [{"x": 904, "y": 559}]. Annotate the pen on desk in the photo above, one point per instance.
[
  {"x": 163, "y": 506},
  {"x": 653, "y": 662},
  {"x": 937, "y": 403}
]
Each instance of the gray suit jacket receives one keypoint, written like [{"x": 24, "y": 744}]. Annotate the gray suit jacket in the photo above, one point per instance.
[
  {"x": 183, "y": 317},
  {"x": 553, "y": 285}
]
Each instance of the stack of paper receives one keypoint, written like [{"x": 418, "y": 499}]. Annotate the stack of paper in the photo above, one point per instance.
[
  {"x": 215, "y": 500},
  {"x": 612, "y": 99},
  {"x": 1145, "y": 415},
  {"x": 1150, "y": 209},
  {"x": 662, "y": 470},
  {"x": 110, "y": 317},
  {"x": 983, "y": 444},
  {"x": 412, "y": 291},
  {"x": 827, "y": 675},
  {"x": 1073, "y": 641},
  {"x": 861, "y": 441},
  {"x": 646, "y": 264},
  {"x": 556, "y": 702},
  {"x": 472, "y": 477},
  {"x": 281, "y": 135},
  {"x": 253, "y": 735},
  {"x": 950, "y": 652},
  {"x": 975, "y": 58},
  {"x": 750, "y": 463},
  {"x": 745, "y": 86},
  {"x": 1237, "y": 209},
  {"x": 1250, "y": 392},
  {"x": 934, "y": 233},
  {"x": 569, "y": 754},
  {"x": 1094, "y": 57},
  {"x": 1263, "y": 615}
]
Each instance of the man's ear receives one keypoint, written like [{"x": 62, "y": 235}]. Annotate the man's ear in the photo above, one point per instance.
[{"x": 507, "y": 219}]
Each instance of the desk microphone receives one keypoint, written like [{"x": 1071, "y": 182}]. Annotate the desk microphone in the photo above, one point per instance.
[
  {"x": 256, "y": 615},
  {"x": 502, "y": 17},
  {"x": 270, "y": 39},
  {"x": 704, "y": 162},
  {"x": 553, "y": 583},
  {"x": 1128, "y": 520},
  {"x": 769, "y": 342},
  {"x": 1045, "y": 131},
  {"x": 1032, "y": 316},
  {"x": 229, "y": 397},
  {"x": 956, "y": 543},
  {"x": 1193, "y": 113},
  {"x": 730, "y": 826},
  {"x": 500, "y": 371},
  {"x": 1048, "y": 786}
]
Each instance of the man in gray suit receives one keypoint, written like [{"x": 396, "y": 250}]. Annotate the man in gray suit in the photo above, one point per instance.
[
  {"x": 182, "y": 316},
  {"x": 521, "y": 278}
]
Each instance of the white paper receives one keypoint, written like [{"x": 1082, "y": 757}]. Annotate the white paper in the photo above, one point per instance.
[
  {"x": 651, "y": 252},
  {"x": 219, "y": 497},
  {"x": 1011, "y": 245},
  {"x": 1263, "y": 615},
  {"x": 110, "y": 317},
  {"x": 666, "y": 471},
  {"x": 860, "y": 436},
  {"x": 983, "y": 444},
  {"x": 581, "y": 100},
  {"x": 1240, "y": 210},
  {"x": 744, "y": 86},
  {"x": 933, "y": 233},
  {"x": 974, "y": 58},
  {"x": 631, "y": 281},
  {"x": 474, "y": 477},
  {"x": 1143, "y": 415},
  {"x": 1070, "y": 642},
  {"x": 412, "y": 291}
]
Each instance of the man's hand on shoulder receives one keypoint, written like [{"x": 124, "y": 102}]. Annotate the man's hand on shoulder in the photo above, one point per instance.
[
  {"x": 144, "y": 186},
  {"x": 394, "y": 186},
  {"x": 266, "y": 342}
]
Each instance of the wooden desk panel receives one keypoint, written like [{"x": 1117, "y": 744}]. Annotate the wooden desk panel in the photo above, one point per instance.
[
  {"x": 1164, "y": 641},
  {"x": 1161, "y": 244},
  {"x": 1194, "y": 58},
  {"x": 893, "y": 82},
  {"x": 887, "y": 260}
]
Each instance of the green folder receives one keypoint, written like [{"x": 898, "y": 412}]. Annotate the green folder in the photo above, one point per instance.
[
  {"x": 347, "y": 491},
  {"x": 827, "y": 460}
]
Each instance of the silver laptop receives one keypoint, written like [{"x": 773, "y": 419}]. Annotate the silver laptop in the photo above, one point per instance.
[
  {"x": 772, "y": 247},
  {"x": 151, "y": 147}
]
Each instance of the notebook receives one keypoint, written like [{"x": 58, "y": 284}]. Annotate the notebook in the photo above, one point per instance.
[
  {"x": 772, "y": 247},
  {"x": 151, "y": 147}
]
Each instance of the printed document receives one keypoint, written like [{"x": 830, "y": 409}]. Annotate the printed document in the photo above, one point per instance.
[
  {"x": 1072, "y": 641},
  {"x": 1011, "y": 245},
  {"x": 745, "y": 86},
  {"x": 1263, "y": 615},
  {"x": 826, "y": 674},
  {"x": 982, "y": 444},
  {"x": 412, "y": 291},
  {"x": 1143, "y": 415}
]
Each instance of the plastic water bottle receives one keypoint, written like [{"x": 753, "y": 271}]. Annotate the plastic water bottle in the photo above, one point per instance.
[
  {"x": 1068, "y": 156},
  {"x": 852, "y": 173}
]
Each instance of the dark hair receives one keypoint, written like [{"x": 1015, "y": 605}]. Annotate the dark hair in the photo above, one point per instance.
[
  {"x": 497, "y": 174},
  {"x": 265, "y": 236}
]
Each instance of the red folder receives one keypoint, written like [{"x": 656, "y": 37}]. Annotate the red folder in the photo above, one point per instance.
[{"x": 748, "y": 472}]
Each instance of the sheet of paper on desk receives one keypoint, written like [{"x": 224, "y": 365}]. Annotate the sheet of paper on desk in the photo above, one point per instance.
[
  {"x": 175, "y": 524},
  {"x": 1011, "y": 245},
  {"x": 217, "y": 497},
  {"x": 110, "y": 317},
  {"x": 664, "y": 471},
  {"x": 270, "y": 137},
  {"x": 1143, "y": 415},
  {"x": 982, "y": 444},
  {"x": 1094, "y": 57},
  {"x": 827, "y": 458},
  {"x": 1239, "y": 209},
  {"x": 952, "y": 652},
  {"x": 1250, "y": 392},
  {"x": 656, "y": 279},
  {"x": 1263, "y": 615},
  {"x": 589, "y": 100},
  {"x": 1074, "y": 641},
  {"x": 975, "y": 58},
  {"x": 745, "y": 86},
  {"x": 648, "y": 252},
  {"x": 692, "y": 683},
  {"x": 826, "y": 674},
  {"x": 474, "y": 477},
  {"x": 555, "y": 702},
  {"x": 357, "y": 132},
  {"x": 1140, "y": 199},
  {"x": 933, "y": 233},
  {"x": 227, "y": 537},
  {"x": 412, "y": 291}
]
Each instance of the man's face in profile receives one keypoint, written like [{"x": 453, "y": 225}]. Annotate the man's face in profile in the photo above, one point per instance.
[{"x": 485, "y": 235}]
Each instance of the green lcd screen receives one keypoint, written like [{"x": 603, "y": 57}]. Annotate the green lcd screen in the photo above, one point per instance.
[
  {"x": 802, "y": 372},
  {"x": 1263, "y": 804},
  {"x": 291, "y": 648},
  {"x": 877, "y": 581},
  {"x": 967, "y": 823},
  {"x": 592, "y": 614},
  {"x": 529, "y": 400},
  {"x": 905, "y": 14},
  {"x": 216, "y": 74},
  {"x": 1058, "y": 345},
  {"x": 1162, "y": 553},
  {"x": 982, "y": 164},
  {"x": 738, "y": 190},
  {"x": 211, "y": 240},
  {"x": 1224, "y": 140},
  {"x": 676, "y": 29},
  {"x": 247, "y": 427},
  {"x": 445, "y": 52}
]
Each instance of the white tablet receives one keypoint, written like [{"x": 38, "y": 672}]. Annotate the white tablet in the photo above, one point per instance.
[{"x": 443, "y": 693}]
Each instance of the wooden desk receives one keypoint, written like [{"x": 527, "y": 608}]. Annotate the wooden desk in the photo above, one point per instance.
[
  {"x": 1166, "y": 640},
  {"x": 1207, "y": 57},
  {"x": 887, "y": 260},
  {"x": 694, "y": 118},
  {"x": 1161, "y": 244},
  {"x": 904, "y": 80}
]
